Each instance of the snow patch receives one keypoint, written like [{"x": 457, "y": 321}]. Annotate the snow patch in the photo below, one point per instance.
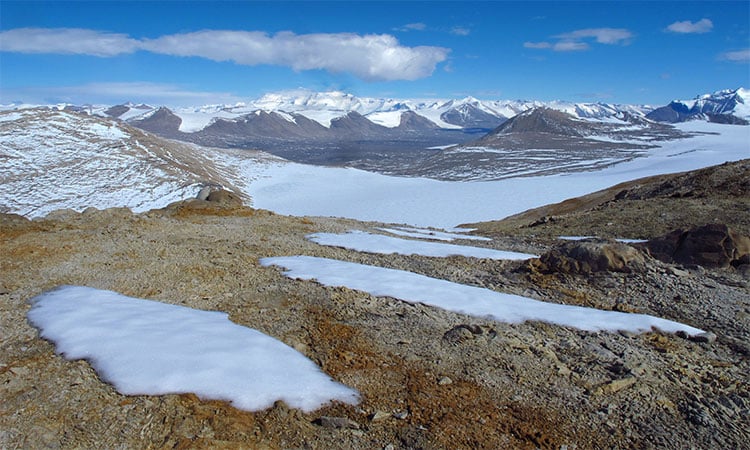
[
  {"x": 378, "y": 243},
  {"x": 424, "y": 233},
  {"x": 145, "y": 347},
  {"x": 463, "y": 299}
]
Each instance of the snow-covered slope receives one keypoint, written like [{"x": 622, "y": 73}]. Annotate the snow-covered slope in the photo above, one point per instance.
[{"x": 55, "y": 159}]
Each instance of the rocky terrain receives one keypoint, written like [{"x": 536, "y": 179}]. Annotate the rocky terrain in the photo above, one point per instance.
[{"x": 428, "y": 378}]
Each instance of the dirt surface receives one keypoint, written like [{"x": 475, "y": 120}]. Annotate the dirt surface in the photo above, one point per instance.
[{"x": 429, "y": 378}]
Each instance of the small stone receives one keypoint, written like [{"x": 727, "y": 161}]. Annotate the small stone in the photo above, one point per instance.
[
  {"x": 379, "y": 415},
  {"x": 678, "y": 272},
  {"x": 389, "y": 447},
  {"x": 401, "y": 415},
  {"x": 615, "y": 386},
  {"x": 706, "y": 337},
  {"x": 445, "y": 380},
  {"x": 336, "y": 422}
]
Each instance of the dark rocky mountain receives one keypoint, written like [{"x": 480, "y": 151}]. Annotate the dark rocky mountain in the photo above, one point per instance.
[
  {"x": 544, "y": 141},
  {"x": 356, "y": 126},
  {"x": 162, "y": 122},
  {"x": 413, "y": 122},
  {"x": 117, "y": 110},
  {"x": 471, "y": 116},
  {"x": 543, "y": 120}
]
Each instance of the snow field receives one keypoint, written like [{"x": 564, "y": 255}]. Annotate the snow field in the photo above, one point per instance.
[
  {"x": 144, "y": 347},
  {"x": 296, "y": 189},
  {"x": 463, "y": 299}
]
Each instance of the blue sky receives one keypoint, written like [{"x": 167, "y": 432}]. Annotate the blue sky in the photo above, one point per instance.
[{"x": 180, "y": 53}]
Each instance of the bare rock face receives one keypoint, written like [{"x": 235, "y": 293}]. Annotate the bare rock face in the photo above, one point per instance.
[
  {"x": 713, "y": 245},
  {"x": 224, "y": 197},
  {"x": 589, "y": 256}
]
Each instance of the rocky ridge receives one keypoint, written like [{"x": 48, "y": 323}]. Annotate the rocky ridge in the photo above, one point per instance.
[{"x": 428, "y": 378}]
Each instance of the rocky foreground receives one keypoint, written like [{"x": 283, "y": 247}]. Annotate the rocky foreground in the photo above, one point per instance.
[{"x": 428, "y": 378}]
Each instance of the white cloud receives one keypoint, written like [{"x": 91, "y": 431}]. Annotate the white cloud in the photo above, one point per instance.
[
  {"x": 601, "y": 35},
  {"x": 370, "y": 57},
  {"x": 570, "y": 46},
  {"x": 460, "y": 31},
  {"x": 538, "y": 45},
  {"x": 575, "y": 40},
  {"x": 418, "y": 26},
  {"x": 75, "y": 41},
  {"x": 736, "y": 56},
  {"x": 701, "y": 26}
]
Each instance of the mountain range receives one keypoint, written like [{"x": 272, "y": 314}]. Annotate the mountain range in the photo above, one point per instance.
[{"x": 389, "y": 135}]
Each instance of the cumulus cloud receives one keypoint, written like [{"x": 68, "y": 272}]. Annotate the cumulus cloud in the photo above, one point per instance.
[
  {"x": 701, "y": 26},
  {"x": 736, "y": 56},
  {"x": 371, "y": 57},
  {"x": 73, "y": 41},
  {"x": 576, "y": 40}
]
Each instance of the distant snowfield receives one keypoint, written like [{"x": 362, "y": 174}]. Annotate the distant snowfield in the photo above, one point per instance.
[
  {"x": 464, "y": 299},
  {"x": 302, "y": 190},
  {"x": 145, "y": 347}
]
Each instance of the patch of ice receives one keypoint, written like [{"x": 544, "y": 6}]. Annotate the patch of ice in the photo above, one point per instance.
[
  {"x": 463, "y": 299},
  {"x": 424, "y": 233},
  {"x": 153, "y": 348},
  {"x": 377, "y": 243},
  {"x": 623, "y": 240}
]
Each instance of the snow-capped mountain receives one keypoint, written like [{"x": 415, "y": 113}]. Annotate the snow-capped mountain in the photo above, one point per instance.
[
  {"x": 726, "y": 106},
  {"x": 324, "y": 107}
]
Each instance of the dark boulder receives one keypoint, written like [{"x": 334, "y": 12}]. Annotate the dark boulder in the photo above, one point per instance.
[
  {"x": 713, "y": 245},
  {"x": 590, "y": 256}
]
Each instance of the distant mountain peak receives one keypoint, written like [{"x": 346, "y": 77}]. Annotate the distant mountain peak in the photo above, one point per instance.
[
  {"x": 542, "y": 120},
  {"x": 724, "y": 106}
]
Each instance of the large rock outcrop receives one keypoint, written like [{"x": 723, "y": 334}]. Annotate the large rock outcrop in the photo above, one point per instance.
[
  {"x": 712, "y": 245},
  {"x": 590, "y": 256}
]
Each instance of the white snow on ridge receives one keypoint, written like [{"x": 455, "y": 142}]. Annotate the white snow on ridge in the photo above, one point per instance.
[
  {"x": 475, "y": 301},
  {"x": 53, "y": 160},
  {"x": 145, "y": 347},
  {"x": 378, "y": 243}
]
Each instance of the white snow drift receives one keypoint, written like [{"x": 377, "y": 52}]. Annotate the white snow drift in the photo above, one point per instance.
[
  {"x": 378, "y": 243},
  {"x": 475, "y": 301},
  {"x": 152, "y": 348},
  {"x": 426, "y": 233}
]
